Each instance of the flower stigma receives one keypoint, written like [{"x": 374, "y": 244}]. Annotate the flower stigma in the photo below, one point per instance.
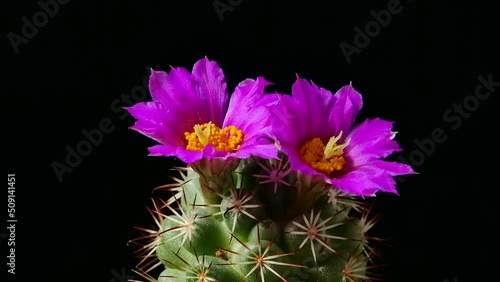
[
  {"x": 228, "y": 138},
  {"x": 324, "y": 159}
]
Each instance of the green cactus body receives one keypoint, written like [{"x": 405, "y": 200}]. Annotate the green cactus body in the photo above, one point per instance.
[{"x": 266, "y": 224}]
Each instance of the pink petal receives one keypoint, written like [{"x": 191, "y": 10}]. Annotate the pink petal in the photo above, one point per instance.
[
  {"x": 212, "y": 89},
  {"x": 348, "y": 103},
  {"x": 156, "y": 122},
  {"x": 315, "y": 106},
  {"x": 248, "y": 111},
  {"x": 370, "y": 140},
  {"x": 370, "y": 178}
]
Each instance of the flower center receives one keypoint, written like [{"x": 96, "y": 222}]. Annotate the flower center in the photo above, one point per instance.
[
  {"x": 228, "y": 138},
  {"x": 324, "y": 159}
]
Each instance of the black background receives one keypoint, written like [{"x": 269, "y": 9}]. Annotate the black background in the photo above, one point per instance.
[{"x": 66, "y": 78}]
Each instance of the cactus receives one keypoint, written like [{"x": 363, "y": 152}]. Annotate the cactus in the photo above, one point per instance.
[
  {"x": 267, "y": 223},
  {"x": 270, "y": 191}
]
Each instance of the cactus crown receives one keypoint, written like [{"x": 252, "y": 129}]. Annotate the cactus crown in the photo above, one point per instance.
[{"x": 262, "y": 221}]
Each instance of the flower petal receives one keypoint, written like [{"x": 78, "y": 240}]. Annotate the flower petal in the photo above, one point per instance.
[
  {"x": 245, "y": 98},
  {"x": 371, "y": 139},
  {"x": 176, "y": 91},
  {"x": 157, "y": 123},
  {"x": 248, "y": 111},
  {"x": 263, "y": 148},
  {"x": 212, "y": 89},
  {"x": 187, "y": 156},
  {"x": 316, "y": 104},
  {"x": 370, "y": 178},
  {"x": 288, "y": 125},
  {"x": 348, "y": 103}
]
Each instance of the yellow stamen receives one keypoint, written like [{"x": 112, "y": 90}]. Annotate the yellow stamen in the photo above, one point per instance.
[
  {"x": 228, "y": 138},
  {"x": 332, "y": 149},
  {"x": 324, "y": 159},
  {"x": 203, "y": 135}
]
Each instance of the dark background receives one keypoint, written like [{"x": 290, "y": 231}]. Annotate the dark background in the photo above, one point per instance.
[{"x": 67, "y": 77}]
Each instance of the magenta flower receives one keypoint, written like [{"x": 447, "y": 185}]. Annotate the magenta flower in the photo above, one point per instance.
[
  {"x": 315, "y": 129},
  {"x": 191, "y": 117}
]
